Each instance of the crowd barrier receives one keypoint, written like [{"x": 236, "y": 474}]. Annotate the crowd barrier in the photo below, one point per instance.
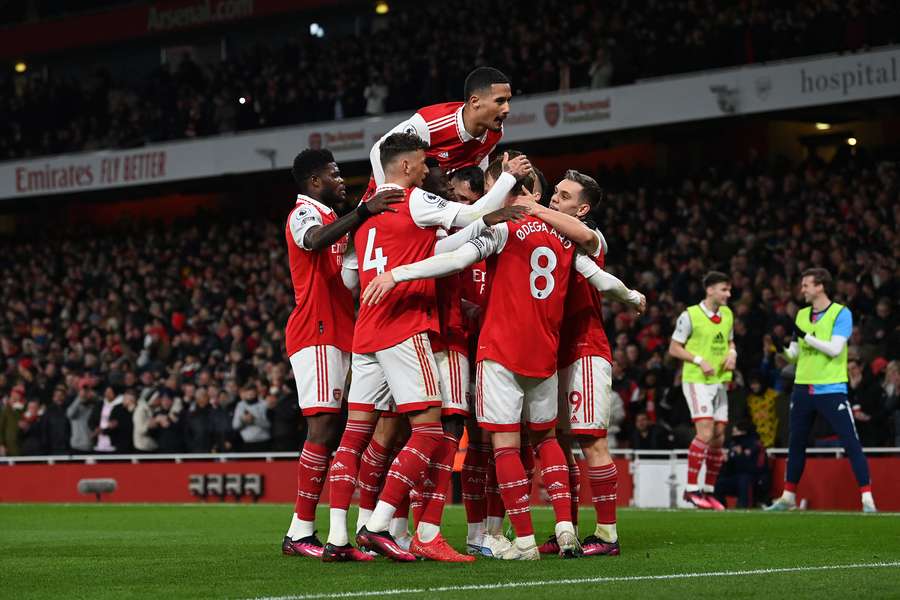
[{"x": 646, "y": 478}]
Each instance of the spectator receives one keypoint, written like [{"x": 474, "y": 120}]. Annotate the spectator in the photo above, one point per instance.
[
  {"x": 10, "y": 416},
  {"x": 169, "y": 431},
  {"x": 30, "y": 429},
  {"x": 601, "y": 70},
  {"x": 892, "y": 398},
  {"x": 144, "y": 423},
  {"x": 745, "y": 473},
  {"x": 79, "y": 414},
  {"x": 121, "y": 423},
  {"x": 647, "y": 435},
  {"x": 102, "y": 423},
  {"x": 376, "y": 94},
  {"x": 865, "y": 398},
  {"x": 199, "y": 424},
  {"x": 761, "y": 406},
  {"x": 285, "y": 419},
  {"x": 251, "y": 421},
  {"x": 56, "y": 431}
]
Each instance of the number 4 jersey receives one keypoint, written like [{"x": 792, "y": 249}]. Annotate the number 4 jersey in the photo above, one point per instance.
[
  {"x": 529, "y": 267},
  {"x": 388, "y": 240}
]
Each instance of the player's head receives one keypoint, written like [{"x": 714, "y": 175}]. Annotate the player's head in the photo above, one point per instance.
[
  {"x": 815, "y": 283},
  {"x": 468, "y": 183},
  {"x": 543, "y": 187},
  {"x": 576, "y": 195},
  {"x": 495, "y": 168},
  {"x": 403, "y": 159},
  {"x": 318, "y": 176},
  {"x": 436, "y": 181},
  {"x": 488, "y": 92},
  {"x": 718, "y": 288}
]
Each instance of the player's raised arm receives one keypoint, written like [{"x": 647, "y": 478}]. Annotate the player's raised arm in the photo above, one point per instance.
[{"x": 415, "y": 125}]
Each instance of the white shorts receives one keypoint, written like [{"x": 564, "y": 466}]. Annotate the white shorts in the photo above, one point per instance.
[
  {"x": 320, "y": 373},
  {"x": 585, "y": 393},
  {"x": 402, "y": 378},
  {"x": 504, "y": 398},
  {"x": 706, "y": 401},
  {"x": 453, "y": 367}
]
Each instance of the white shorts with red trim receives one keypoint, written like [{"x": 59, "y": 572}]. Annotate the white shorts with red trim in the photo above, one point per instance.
[
  {"x": 585, "y": 394},
  {"x": 503, "y": 399},
  {"x": 402, "y": 378},
  {"x": 320, "y": 373},
  {"x": 453, "y": 367},
  {"x": 706, "y": 401}
]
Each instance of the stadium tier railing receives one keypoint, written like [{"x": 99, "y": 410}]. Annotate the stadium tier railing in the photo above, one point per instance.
[{"x": 273, "y": 456}]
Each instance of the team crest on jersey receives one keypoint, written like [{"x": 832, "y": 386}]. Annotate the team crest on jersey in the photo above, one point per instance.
[
  {"x": 337, "y": 394},
  {"x": 436, "y": 200},
  {"x": 551, "y": 113}
]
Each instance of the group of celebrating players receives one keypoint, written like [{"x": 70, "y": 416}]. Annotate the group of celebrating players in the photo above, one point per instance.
[{"x": 456, "y": 266}]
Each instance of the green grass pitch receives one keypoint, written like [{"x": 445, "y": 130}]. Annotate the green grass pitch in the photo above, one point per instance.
[{"x": 233, "y": 551}]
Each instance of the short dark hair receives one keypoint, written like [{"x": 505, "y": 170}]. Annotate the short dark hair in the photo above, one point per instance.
[
  {"x": 473, "y": 176},
  {"x": 820, "y": 277},
  {"x": 481, "y": 79},
  {"x": 495, "y": 170},
  {"x": 714, "y": 277},
  {"x": 591, "y": 192},
  {"x": 308, "y": 163},
  {"x": 399, "y": 143}
]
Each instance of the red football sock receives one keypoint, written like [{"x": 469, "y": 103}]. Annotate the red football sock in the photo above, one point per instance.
[
  {"x": 345, "y": 466},
  {"x": 574, "y": 488},
  {"x": 555, "y": 475},
  {"x": 311, "y": 468},
  {"x": 493, "y": 502},
  {"x": 528, "y": 460},
  {"x": 604, "y": 481},
  {"x": 440, "y": 471},
  {"x": 411, "y": 463},
  {"x": 474, "y": 471},
  {"x": 514, "y": 489},
  {"x": 714, "y": 459},
  {"x": 372, "y": 471},
  {"x": 696, "y": 455}
]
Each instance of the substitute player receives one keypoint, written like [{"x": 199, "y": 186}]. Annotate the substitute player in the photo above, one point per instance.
[
  {"x": 704, "y": 340},
  {"x": 318, "y": 335},
  {"x": 819, "y": 349},
  {"x": 530, "y": 265},
  {"x": 393, "y": 364}
]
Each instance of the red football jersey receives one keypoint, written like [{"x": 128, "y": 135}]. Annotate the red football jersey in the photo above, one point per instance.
[
  {"x": 582, "y": 331},
  {"x": 382, "y": 242},
  {"x": 529, "y": 278},
  {"x": 441, "y": 127},
  {"x": 448, "y": 140},
  {"x": 323, "y": 314},
  {"x": 453, "y": 334}
]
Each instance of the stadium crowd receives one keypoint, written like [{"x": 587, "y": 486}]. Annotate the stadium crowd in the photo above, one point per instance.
[
  {"x": 400, "y": 65},
  {"x": 171, "y": 339}
]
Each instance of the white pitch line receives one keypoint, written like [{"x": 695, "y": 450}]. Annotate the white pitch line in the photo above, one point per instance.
[{"x": 584, "y": 580}]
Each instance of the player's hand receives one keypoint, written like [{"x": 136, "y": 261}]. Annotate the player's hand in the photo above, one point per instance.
[
  {"x": 378, "y": 288},
  {"x": 381, "y": 202},
  {"x": 641, "y": 305},
  {"x": 519, "y": 167},
  {"x": 707, "y": 368},
  {"x": 508, "y": 213},
  {"x": 730, "y": 362},
  {"x": 799, "y": 334}
]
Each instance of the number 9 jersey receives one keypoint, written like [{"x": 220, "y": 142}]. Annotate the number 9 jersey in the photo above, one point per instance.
[{"x": 529, "y": 273}]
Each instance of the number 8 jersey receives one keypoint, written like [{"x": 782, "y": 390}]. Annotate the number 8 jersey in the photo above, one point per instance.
[
  {"x": 528, "y": 270},
  {"x": 389, "y": 240}
]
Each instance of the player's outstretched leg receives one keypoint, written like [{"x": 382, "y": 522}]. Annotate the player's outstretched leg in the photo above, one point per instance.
[
  {"x": 428, "y": 542},
  {"x": 696, "y": 455},
  {"x": 603, "y": 477},
  {"x": 837, "y": 410},
  {"x": 802, "y": 416},
  {"x": 342, "y": 483},
  {"x": 715, "y": 456},
  {"x": 555, "y": 475},
  {"x": 312, "y": 468},
  {"x": 473, "y": 476},
  {"x": 404, "y": 474},
  {"x": 514, "y": 489},
  {"x": 373, "y": 466}
]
